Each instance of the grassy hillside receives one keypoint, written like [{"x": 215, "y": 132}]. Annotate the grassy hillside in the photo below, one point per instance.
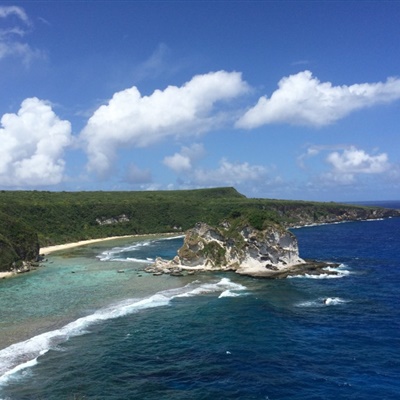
[
  {"x": 60, "y": 217},
  {"x": 66, "y": 216}
]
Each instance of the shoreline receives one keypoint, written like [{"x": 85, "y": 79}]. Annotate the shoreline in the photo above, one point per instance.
[
  {"x": 4, "y": 275},
  {"x": 65, "y": 246}
]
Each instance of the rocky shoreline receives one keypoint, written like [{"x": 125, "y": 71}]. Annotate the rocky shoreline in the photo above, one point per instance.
[
  {"x": 310, "y": 267},
  {"x": 25, "y": 266}
]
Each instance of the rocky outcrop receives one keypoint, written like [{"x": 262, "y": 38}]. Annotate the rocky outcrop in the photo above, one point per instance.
[
  {"x": 262, "y": 253},
  {"x": 112, "y": 220}
]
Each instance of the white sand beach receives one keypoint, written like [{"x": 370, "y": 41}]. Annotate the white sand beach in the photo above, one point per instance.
[{"x": 51, "y": 249}]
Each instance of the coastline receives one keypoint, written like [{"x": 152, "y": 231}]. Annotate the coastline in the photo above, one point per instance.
[
  {"x": 4, "y": 275},
  {"x": 43, "y": 251},
  {"x": 65, "y": 246}
]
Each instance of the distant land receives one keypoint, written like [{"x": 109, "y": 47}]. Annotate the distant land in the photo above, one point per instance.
[{"x": 33, "y": 219}]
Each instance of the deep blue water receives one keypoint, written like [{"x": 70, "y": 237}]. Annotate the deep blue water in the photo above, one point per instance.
[{"x": 224, "y": 336}]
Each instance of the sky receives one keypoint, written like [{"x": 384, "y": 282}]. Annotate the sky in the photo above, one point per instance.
[{"x": 279, "y": 99}]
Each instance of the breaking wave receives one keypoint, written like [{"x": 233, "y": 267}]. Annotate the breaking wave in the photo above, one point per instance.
[
  {"x": 332, "y": 273},
  {"x": 323, "y": 302},
  {"x": 22, "y": 355},
  {"x": 138, "y": 252}
]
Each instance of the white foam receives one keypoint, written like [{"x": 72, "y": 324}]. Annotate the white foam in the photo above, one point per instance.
[
  {"x": 340, "y": 272},
  {"x": 22, "y": 355},
  {"x": 322, "y": 302},
  {"x": 311, "y": 276},
  {"x": 228, "y": 293},
  {"x": 223, "y": 285},
  {"x": 112, "y": 255},
  {"x": 333, "y": 301},
  {"x": 310, "y": 303}
]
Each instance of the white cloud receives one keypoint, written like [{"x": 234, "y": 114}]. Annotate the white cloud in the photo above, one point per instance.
[
  {"x": 10, "y": 43},
  {"x": 227, "y": 174},
  {"x": 183, "y": 161},
  {"x": 355, "y": 161},
  {"x": 130, "y": 119},
  {"x": 21, "y": 50},
  {"x": 230, "y": 174},
  {"x": 302, "y": 99},
  {"x": 32, "y": 145},
  {"x": 6, "y": 11},
  {"x": 178, "y": 162},
  {"x": 347, "y": 163}
]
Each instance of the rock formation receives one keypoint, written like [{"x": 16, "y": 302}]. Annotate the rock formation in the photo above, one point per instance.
[{"x": 272, "y": 252}]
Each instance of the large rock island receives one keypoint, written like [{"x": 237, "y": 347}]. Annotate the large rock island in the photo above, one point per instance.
[{"x": 270, "y": 253}]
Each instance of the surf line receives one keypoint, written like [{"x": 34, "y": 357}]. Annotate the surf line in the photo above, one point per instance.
[{"x": 22, "y": 355}]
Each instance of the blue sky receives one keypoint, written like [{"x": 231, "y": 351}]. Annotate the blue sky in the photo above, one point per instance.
[{"x": 289, "y": 100}]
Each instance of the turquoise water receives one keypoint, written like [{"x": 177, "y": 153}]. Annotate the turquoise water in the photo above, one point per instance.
[
  {"x": 72, "y": 284},
  {"x": 99, "y": 334}
]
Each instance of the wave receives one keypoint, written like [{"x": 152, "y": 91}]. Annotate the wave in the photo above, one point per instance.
[
  {"x": 22, "y": 355},
  {"x": 323, "y": 302},
  {"x": 112, "y": 255},
  {"x": 339, "y": 272},
  {"x": 223, "y": 285},
  {"x": 333, "y": 301},
  {"x": 229, "y": 293}
]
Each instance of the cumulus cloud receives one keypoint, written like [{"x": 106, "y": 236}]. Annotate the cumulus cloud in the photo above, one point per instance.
[
  {"x": 183, "y": 161},
  {"x": 347, "y": 163},
  {"x": 18, "y": 26},
  {"x": 355, "y": 161},
  {"x": 302, "y": 99},
  {"x": 32, "y": 145},
  {"x": 130, "y": 119}
]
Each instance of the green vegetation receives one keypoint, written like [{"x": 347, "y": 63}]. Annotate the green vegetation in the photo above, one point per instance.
[
  {"x": 17, "y": 242},
  {"x": 60, "y": 217},
  {"x": 214, "y": 251}
]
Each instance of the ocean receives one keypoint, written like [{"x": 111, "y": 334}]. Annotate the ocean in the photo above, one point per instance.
[{"x": 91, "y": 324}]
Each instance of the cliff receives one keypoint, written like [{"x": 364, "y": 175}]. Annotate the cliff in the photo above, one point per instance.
[
  {"x": 271, "y": 253},
  {"x": 295, "y": 214}
]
